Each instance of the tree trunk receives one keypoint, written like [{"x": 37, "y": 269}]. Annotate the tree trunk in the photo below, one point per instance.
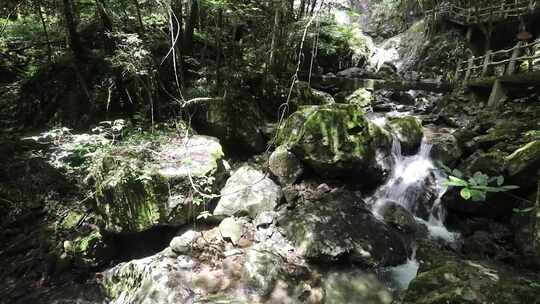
[
  {"x": 313, "y": 5},
  {"x": 302, "y": 9},
  {"x": 190, "y": 27},
  {"x": 45, "y": 32},
  {"x": 107, "y": 24},
  {"x": 139, "y": 15},
  {"x": 218, "y": 52},
  {"x": 73, "y": 36},
  {"x": 275, "y": 37},
  {"x": 176, "y": 40}
]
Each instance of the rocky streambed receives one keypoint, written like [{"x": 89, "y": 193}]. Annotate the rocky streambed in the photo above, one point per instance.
[{"x": 350, "y": 206}]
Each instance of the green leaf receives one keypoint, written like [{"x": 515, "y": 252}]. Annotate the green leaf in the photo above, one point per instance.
[
  {"x": 500, "y": 180},
  {"x": 477, "y": 195},
  {"x": 525, "y": 210},
  {"x": 509, "y": 187},
  {"x": 455, "y": 181},
  {"x": 457, "y": 173},
  {"x": 465, "y": 193}
]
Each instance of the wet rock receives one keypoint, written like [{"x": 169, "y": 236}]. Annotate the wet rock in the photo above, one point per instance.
[
  {"x": 285, "y": 166},
  {"x": 338, "y": 225},
  {"x": 354, "y": 287},
  {"x": 409, "y": 132},
  {"x": 248, "y": 191},
  {"x": 399, "y": 217},
  {"x": 334, "y": 140},
  {"x": 136, "y": 190},
  {"x": 495, "y": 206}
]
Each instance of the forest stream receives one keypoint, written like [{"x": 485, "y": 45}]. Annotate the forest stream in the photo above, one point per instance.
[{"x": 269, "y": 152}]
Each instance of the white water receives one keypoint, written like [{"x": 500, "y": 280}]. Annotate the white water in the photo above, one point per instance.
[{"x": 415, "y": 184}]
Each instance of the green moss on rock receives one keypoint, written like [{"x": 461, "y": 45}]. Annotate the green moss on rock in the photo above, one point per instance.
[
  {"x": 409, "y": 132},
  {"x": 526, "y": 158},
  {"x": 360, "y": 97},
  {"x": 446, "y": 279},
  {"x": 136, "y": 189},
  {"x": 332, "y": 139}
]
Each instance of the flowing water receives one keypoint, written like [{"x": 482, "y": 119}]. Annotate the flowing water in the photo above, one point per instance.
[{"x": 415, "y": 184}]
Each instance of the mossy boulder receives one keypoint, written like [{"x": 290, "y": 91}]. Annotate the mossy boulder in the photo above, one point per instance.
[
  {"x": 362, "y": 98},
  {"x": 334, "y": 140},
  {"x": 523, "y": 166},
  {"x": 156, "y": 181},
  {"x": 446, "y": 279},
  {"x": 409, "y": 132}
]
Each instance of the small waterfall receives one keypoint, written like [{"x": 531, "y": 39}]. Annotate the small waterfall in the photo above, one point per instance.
[{"x": 416, "y": 185}]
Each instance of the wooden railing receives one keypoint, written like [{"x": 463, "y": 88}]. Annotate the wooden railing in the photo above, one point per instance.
[
  {"x": 522, "y": 58},
  {"x": 474, "y": 14}
]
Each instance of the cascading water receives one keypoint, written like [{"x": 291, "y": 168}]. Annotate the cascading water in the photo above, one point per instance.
[{"x": 416, "y": 185}]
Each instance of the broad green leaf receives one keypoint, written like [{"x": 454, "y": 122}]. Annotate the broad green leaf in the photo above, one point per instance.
[
  {"x": 455, "y": 181},
  {"x": 525, "y": 210}
]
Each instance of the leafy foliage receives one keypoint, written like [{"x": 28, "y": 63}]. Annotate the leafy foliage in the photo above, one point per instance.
[{"x": 476, "y": 187}]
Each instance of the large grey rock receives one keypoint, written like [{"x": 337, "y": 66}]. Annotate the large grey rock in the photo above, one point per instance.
[
  {"x": 338, "y": 224},
  {"x": 248, "y": 191},
  {"x": 270, "y": 271},
  {"x": 285, "y": 165}
]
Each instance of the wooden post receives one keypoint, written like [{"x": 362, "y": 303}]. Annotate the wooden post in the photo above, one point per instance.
[
  {"x": 468, "y": 72},
  {"x": 456, "y": 76},
  {"x": 515, "y": 54},
  {"x": 487, "y": 60},
  {"x": 498, "y": 93}
]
